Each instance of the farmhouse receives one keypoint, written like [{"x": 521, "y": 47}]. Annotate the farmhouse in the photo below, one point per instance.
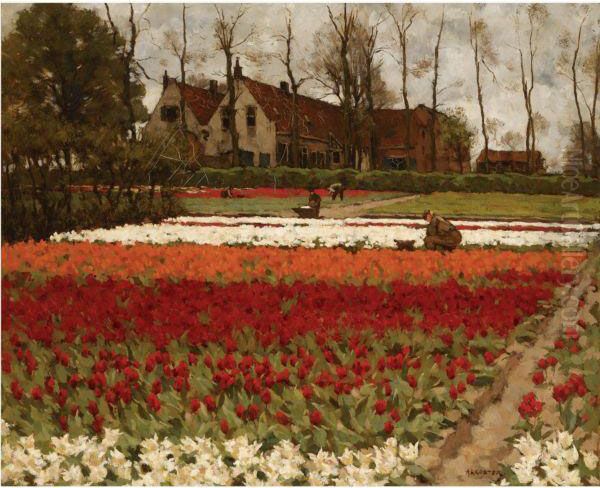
[
  {"x": 510, "y": 162},
  {"x": 264, "y": 123}
]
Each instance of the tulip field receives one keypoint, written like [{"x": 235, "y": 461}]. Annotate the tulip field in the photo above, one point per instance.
[{"x": 244, "y": 352}]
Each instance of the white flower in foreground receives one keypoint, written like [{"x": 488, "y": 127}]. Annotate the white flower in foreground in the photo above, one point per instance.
[
  {"x": 529, "y": 448},
  {"x": 119, "y": 464},
  {"x": 323, "y": 463},
  {"x": 111, "y": 437},
  {"x": 571, "y": 456},
  {"x": 524, "y": 471},
  {"x": 565, "y": 439},
  {"x": 558, "y": 473},
  {"x": 4, "y": 427},
  {"x": 590, "y": 460},
  {"x": 73, "y": 475},
  {"x": 347, "y": 458},
  {"x": 409, "y": 453}
]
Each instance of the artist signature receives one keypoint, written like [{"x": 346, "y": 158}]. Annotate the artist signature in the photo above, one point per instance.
[{"x": 482, "y": 473}]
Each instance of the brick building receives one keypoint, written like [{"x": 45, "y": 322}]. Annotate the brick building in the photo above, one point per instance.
[
  {"x": 263, "y": 120},
  {"x": 510, "y": 162}
]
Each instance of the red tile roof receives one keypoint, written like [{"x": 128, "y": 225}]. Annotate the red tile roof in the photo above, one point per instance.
[
  {"x": 318, "y": 119},
  {"x": 506, "y": 156},
  {"x": 201, "y": 102}
]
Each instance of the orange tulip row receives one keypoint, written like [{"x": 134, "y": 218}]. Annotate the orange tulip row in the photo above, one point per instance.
[{"x": 191, "y": 261}]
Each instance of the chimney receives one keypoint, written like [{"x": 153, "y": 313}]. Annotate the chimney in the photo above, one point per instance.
[
  {"x": 284, "y": 86},
  {"x": 237, "y": 70},
  {"x": 165, "y": 80},
  {"x": 213, "y": 87}
]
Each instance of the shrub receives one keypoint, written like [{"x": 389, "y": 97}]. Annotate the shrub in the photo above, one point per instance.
[{"x": 407, "y": 181}]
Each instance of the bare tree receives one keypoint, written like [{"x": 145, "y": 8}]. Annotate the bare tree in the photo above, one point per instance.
[
  {"x": 536, "y": 15},
  {"x": 131, "y": 65},
  {"x": 228, "y": 41},
  {"x": 178, "y": 46},
  {"x": 484, "y": 56},
  {"x": 371, "y": 68},
  {"x": 591, "y": 72},
  {"x": 295, "y": 83},
  {"x": 568, "y": 65},
  {"x": 344, "y": 26},
  {"x": 434, "y": 92},
  {"x": 403, "y": 21},
  {"x": 512, "y": 139}
]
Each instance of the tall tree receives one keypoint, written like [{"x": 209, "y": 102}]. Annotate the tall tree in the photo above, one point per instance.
[
  {"x": 434, "y": 92},
  {"x": 591, "y": 73},
  {"x": 177, "y": 44},
  {"x": 569, "y": 65},
  {"x": 403, "y": 21},
  {"x": 132, "y": 68},
  {"x": 536, "y": 18},
  {"x": 228, "y": 41},
  {"x": 344, "y": 26},
  {"x": 286, "y": 58},
  {"x": 484, "y": 56},
  {"x": 60, "y": 102},
  {"x": 457, "y": 134},
  {"x": 371, "y": 75}
]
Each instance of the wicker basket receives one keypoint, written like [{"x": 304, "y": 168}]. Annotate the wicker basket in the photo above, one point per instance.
[
  {"x": 306, "y": 212},
  {"x": 405, "y": 245}
]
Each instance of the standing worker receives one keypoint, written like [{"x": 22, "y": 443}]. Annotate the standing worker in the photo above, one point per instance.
[
  {"x": 314, "y": 201},
  {"x": 441, "y": 234}
]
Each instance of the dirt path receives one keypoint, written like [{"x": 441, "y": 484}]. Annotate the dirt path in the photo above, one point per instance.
[
  {"x": 357, "y": 209},
  {"x": 473, "y": 453}
]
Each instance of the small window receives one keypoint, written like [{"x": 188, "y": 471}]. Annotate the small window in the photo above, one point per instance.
[
  {"x": 304, "y": 156},
  {"x": 251, "y": 116},
  {"x": 169, "y": 113},
  {"x": 336, "y": 157},
  {"x": 225, "y": 119},
  {"x": 282, "y": 153}
]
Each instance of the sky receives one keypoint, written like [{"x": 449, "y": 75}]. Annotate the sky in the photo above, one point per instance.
[{"x": 552, "y": 95}]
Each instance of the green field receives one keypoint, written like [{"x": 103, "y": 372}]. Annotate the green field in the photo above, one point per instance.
[
  {"x": 268, "y": 206},
  {"x": 453, "y": 204}
]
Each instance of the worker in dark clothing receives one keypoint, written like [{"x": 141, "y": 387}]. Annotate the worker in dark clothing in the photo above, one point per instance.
[
  {"x": 227, "y": 193},
  {"x": 441, "y": 234},
  {"x": 314, "y": 201}
]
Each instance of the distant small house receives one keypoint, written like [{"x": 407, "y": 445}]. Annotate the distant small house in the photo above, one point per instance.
[{"x": 510, "y": 162}]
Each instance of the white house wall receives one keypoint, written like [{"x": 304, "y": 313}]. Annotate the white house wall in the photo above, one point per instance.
[
  {"x": 160, "y": 128},
  {"x": 261, "y": 140}
]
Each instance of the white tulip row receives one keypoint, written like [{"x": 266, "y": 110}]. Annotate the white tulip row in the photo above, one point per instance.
[
  {"x": 199, "y": 461},
  {"x": 553, "y": 462},
  {"x": 292, "y": 232}
]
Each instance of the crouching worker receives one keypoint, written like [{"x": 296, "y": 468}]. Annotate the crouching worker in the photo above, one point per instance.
[
  {"x": 337, "y": 189},
  {"x": 441, "y": 234}
]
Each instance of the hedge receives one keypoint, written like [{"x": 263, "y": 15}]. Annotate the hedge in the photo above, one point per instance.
[{"x": 404, "y": 181}]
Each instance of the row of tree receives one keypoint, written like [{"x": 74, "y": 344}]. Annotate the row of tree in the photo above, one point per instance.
[
  {"x": 347, "y": 63},
  {"x": 71, "y": 105}
]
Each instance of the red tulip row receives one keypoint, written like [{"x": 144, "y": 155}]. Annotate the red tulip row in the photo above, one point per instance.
[{"x": 118, "y": 309}]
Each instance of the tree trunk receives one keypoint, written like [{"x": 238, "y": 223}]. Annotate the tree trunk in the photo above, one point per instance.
[
  {"x": 575, "y": 95},
  {"x": 596, "y": 149},
  {"x": 486, "y": 141},
  {"x": 295, "y": 136},
  {"x": 407, "y": 115},
  {"x": 182, "y": 60},
  {"x": 434, "y": 103},
  {"x": 231, "y": 112}
]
